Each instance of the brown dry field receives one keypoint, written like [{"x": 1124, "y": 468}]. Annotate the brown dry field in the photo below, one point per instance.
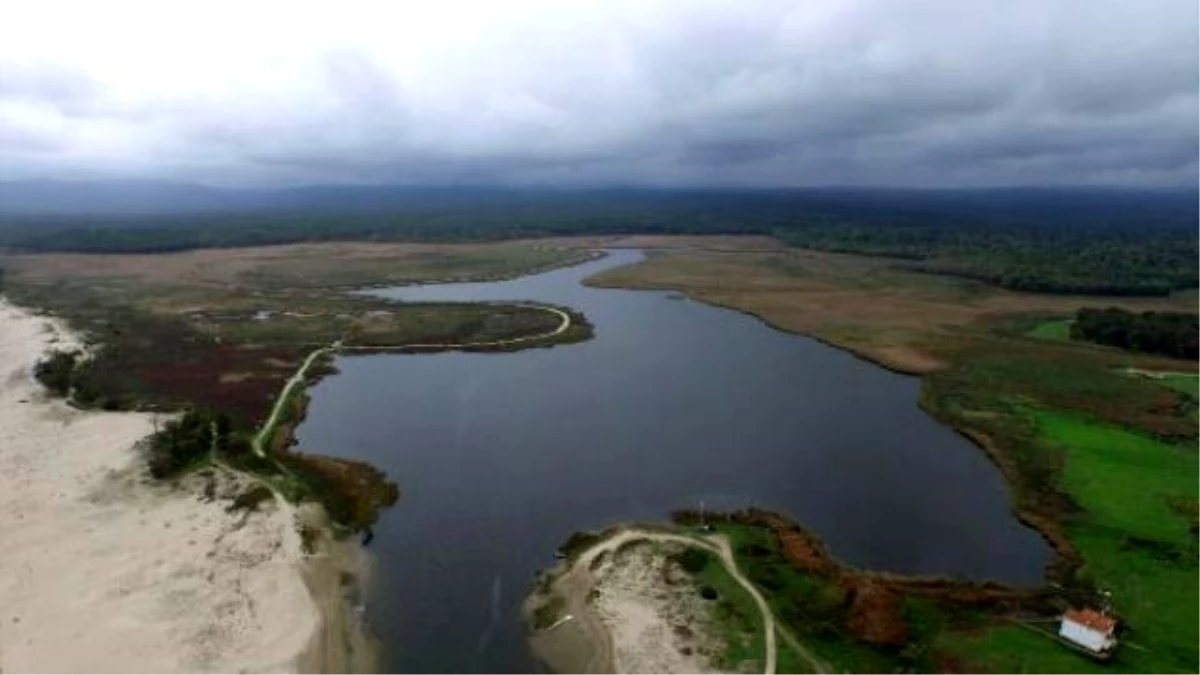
[
  {"x": 308, "y": 265},
  {"x": 903, "y": 320}
]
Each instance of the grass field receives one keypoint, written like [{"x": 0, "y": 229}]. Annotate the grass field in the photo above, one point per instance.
[
  {"x": 1188, "y": 383},
  {"x": 1136, "y": 533},
  {"x": 1057, "y": 329}
]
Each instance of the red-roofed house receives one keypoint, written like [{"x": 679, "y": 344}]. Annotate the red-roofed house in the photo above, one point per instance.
[{"x": 1092, "y": 630}]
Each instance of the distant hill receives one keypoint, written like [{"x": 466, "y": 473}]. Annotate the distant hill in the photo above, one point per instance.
[{"x": 72, "y": 200}]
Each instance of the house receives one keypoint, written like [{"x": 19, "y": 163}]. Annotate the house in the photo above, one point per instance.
[{"x": 1093, "y": 631}]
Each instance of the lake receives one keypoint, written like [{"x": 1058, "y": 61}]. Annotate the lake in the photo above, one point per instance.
[{"x": 673, "y": 404}]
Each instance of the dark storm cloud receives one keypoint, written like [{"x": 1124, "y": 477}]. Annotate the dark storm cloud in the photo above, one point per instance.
[{"x": 897, "y": 92}]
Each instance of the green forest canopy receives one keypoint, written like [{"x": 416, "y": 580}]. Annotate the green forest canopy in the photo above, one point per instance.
[{"x": 1172, "y": 334}]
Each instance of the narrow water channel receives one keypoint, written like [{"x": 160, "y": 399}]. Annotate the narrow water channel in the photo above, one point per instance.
[{"x": 500, "y": 457}]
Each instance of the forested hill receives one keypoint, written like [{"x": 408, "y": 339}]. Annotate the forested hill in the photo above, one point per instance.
[{"x": 1079, "y": 241}]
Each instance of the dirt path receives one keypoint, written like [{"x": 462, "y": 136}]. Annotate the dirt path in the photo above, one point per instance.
[
  {"x": 297, "y": 379},
  {"x": 562, "y": 327},
  {"x": 578, "y": 584}
]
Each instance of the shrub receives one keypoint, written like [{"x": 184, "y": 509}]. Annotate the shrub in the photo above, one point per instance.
[
  {"x": 250, "y": 499},
  {"x": 692, "y": 560},
  {"x": 184, "y": 442},
  {"x": 56, "y": 372}
]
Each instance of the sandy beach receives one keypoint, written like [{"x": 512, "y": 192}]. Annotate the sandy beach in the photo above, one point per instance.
[{"x": 102, "y": 570}]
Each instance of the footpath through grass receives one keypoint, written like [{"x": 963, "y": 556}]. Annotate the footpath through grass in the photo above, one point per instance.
[
  {"x": 734, "y": 612},
  {"x": 1188, "y": 384},
  {"x": 809, "y": 606}
]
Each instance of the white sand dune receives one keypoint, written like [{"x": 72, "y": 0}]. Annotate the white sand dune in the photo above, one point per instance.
[{"x": 102, "y": 571}]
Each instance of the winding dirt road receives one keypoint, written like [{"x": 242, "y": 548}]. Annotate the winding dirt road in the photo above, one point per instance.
[{"x": 577, "y": 580}]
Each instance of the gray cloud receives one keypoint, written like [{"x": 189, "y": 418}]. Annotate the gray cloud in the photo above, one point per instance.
[{"x": 885, "y": 92}]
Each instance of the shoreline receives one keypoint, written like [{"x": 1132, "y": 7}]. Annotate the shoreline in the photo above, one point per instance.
[
  {"x": 140, "y": 575},
  {"x": 1064, "y": 552},
  {"x": 571, "y": 627}
]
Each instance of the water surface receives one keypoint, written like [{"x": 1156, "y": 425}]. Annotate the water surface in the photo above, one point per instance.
[{"x": 500, "y": 457}]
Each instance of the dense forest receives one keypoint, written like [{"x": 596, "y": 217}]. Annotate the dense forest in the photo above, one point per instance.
[
  {"x": 1166, "y": 333},
  {"x": 1076, "y": 241},
  {"x": 1047, "y": 259}
]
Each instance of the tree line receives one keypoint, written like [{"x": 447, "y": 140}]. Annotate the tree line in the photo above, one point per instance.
[
  {"x": 1095, "y": 243},
  {"x": 1171, "y": 334}
]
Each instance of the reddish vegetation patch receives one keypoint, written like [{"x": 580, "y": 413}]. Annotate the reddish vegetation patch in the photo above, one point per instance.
[
  {"x": 874, "y": 600},
  {"x": 950, "y": 664},
  {"x": 353, "y": 492},
  {"x": 201, "y": 379},
  {"x": 874, "y": 615},
  {"x": 802, "y": 549}
]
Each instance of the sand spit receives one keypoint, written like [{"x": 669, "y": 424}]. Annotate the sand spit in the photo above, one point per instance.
[
  {"x": 102, "y": 571},
  {"x": 624, "y": 607}
]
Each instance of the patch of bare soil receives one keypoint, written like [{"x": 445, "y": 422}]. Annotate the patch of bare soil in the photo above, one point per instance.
[{"x": 874, "y": 614}]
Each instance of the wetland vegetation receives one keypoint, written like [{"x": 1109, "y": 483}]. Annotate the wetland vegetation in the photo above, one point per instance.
[
  {"x": 213, "y": 339},
  {"x": 1100, "y": 458}
]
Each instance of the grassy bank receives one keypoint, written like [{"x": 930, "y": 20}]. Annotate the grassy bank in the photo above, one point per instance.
[
  {"x": 845, "y": 620},
  {"x": 1135, "y": 531},
  {"x": 732, "y": 609}
]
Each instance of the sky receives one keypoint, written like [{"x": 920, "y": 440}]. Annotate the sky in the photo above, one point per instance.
[{"x": 748, "y": 93}]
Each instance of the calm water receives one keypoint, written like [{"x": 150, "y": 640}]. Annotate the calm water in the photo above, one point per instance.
[{"x": 500, "y": 457}]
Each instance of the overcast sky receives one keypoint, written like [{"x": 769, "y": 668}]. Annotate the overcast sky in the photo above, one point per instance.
[{"x": 748, "y": 92}]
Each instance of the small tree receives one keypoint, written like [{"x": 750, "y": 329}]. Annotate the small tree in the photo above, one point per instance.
[{"x": 56, "y": 372}]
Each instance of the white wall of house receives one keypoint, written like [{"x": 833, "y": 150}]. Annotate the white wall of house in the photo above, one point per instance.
[{"x": 1084, "y": 636}]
